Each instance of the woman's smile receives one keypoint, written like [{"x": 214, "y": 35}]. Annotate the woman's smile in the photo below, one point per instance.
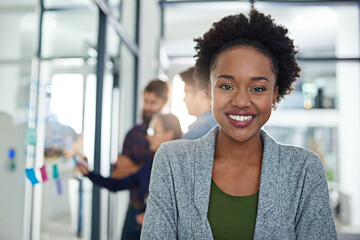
[{"x": 240, "y": 118}]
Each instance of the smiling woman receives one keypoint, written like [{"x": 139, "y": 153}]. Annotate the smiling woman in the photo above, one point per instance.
[{"x": 237, "y": 182}]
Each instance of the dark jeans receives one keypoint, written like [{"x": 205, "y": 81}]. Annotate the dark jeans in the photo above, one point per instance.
[{"x": 131, "y": 230}]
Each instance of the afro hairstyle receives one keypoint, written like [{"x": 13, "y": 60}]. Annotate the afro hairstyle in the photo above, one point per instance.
[{"x": 259, "y": 31}]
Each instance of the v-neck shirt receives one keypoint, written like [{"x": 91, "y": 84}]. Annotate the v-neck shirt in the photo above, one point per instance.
[{"x": 232, "y": 217}]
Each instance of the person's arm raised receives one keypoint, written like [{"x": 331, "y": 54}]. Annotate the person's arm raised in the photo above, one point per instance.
[
  {"x": 124, "y": 167},
  {"x": 82, "y": 164}
]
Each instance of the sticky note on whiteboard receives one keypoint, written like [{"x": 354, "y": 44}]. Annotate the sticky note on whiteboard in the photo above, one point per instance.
[
  {"x": 58, "y": 186},
  {"x": 30, "y": 174},
  {"x": 43, "y": 174},
  {"x": 55, "y": 171}
]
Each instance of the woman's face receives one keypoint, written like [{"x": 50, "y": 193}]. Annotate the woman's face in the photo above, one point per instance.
[
  {"x": 243, "y": 91},
  {"x": 157, "y": 135}
]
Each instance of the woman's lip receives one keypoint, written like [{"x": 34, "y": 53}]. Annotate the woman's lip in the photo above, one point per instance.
[
  {"x": 240, "y": 113},
  {"x": 241, "y": 124}
]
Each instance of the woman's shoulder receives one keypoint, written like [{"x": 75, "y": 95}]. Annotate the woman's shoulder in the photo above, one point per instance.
[
  {"x": 183, "y": 146},
  {"x": 185, "y": 152},
  {"x": 300, "y": 158},
  {"x": 298, "y": 151},
  {"x": 270, "y": 142},
  {"x": 178, "y": 155},
  {"x": 290, "y": 153},
  {"x": 178, "y": 147}
]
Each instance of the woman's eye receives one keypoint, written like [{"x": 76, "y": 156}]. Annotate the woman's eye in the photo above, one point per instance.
[
  {"x": 225, "y": 87},
  {"x": 259, "y": 89}
]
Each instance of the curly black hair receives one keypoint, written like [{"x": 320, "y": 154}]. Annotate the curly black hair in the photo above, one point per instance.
[{"x": 259, "y": 31}]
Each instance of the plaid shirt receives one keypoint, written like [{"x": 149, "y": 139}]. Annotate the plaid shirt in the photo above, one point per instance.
[{"x": 136, "y": 147}]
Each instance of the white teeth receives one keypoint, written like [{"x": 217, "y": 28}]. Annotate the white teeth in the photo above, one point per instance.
[{"x": 240, "y": 118}]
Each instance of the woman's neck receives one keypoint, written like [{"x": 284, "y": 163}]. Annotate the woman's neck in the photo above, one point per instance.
[{"x": 249, "y": 151}]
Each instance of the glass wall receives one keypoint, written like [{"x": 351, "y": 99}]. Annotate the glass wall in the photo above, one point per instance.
[
  {"x": 51, "y": 71},
  {"x": 125, "y": 11},
  {"x": 72, "y": 52},
  {"x": 68, "y": 64},
  {"x": 69, "y": 33},
  {"x": 70, "y": 36},
  {"x": 122, "y": 69}
]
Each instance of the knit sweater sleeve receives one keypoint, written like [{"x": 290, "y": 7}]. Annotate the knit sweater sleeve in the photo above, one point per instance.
[{"x": 161, "y": 215}]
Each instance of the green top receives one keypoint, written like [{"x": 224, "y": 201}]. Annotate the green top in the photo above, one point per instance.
[{"x": 232, "y": 217}]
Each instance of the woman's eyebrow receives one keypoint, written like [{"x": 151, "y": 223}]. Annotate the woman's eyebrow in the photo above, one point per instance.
[
  {"x": 259, "y": 78},
  {"x": 253, "y": 78},
  {"x": 225, "y": 76}
]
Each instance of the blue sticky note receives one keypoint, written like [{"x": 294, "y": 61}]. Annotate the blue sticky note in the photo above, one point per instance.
[
  {"x": 11, "y": 153},
  {"x": 58, "y": 186},
  {"x": 30, "y": 174}
]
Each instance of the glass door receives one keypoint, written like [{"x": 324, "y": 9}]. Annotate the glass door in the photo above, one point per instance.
[
  {"x": 64, "y": 129},
  {"x": 67, "y": 106}
]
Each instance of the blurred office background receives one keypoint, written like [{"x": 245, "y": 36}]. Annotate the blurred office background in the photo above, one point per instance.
[{"x": 82, "y": 65}]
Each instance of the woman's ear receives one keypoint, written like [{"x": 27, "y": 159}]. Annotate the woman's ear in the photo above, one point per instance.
[{"x": 210, "y": 96}]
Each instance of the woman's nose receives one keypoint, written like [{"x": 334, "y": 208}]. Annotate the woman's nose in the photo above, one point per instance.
[{"x": 241, "y": 99}]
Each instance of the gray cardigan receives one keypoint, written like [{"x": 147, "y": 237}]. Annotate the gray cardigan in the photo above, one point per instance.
[{"x": 293, "y": 198}]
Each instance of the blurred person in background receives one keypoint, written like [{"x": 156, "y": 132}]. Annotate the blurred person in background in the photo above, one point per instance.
[
  {"x": 163, "y": 127},
  {"x": 198, "y": 104},
  {"x": 136, "y": 152}
]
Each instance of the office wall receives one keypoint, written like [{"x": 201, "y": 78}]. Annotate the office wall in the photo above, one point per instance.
[{"x": 348, "y": 85}]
